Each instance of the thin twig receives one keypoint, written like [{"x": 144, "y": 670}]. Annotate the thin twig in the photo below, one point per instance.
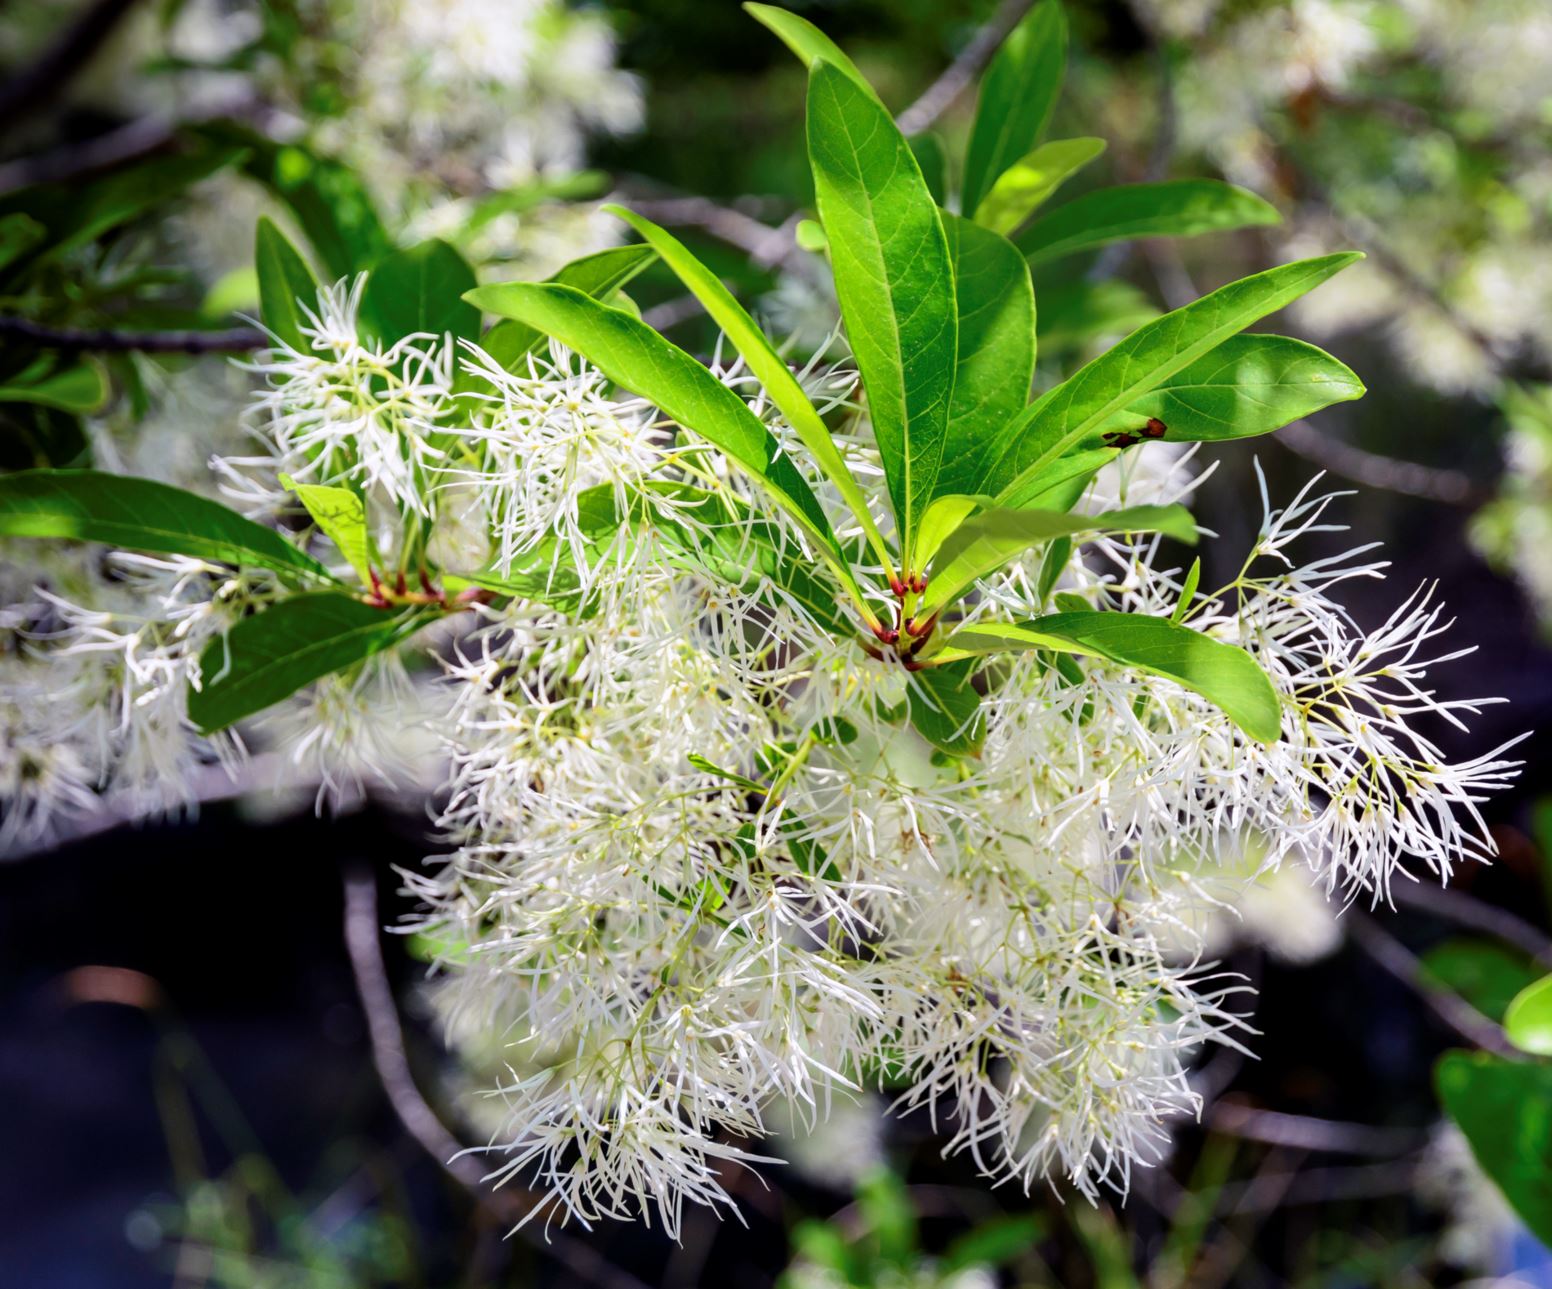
[
  {"x": 391, "y": 1060},
  {"x": 1320, "y": 1186},
  {"x": 957, "y": 76},
  {"x": 1377, "y": 471},
  {"x": 75, "y": 339},
  {"x": 40, "y": 84},
  {"x": 1305, "y": 1132},
  {"x": 1454, "y": 905},
  {"x": 758, "y": 241},
  {"x": 660, "y": 317},
  {"x": 1447, "y": 1005}
]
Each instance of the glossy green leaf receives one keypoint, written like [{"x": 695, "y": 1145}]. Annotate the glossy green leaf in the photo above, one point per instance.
[
  {"x": 420, "y": 290},
  {"x": 769, "y": 367},
  {"x": 1222, "y": 673},
  {"x": 286, "y": 286},
  {"x": 1248, "y": 385},
  {"x": 944, "y": 708},
  {"x": 941, "y": 518},
  {"x": 806, "y": 41},
  {"x": 1017, "y": 94},
  {"x": 810, "y": 236},
  {"x": 140, "y": 514},
  {"x": 1528, "y": 1021},
  {"x": 635, "y": 357},
  {"x": 1174, "y": 208},
  {"x": 600, "y": 275},
  {"x": 1505, "y": 1110},
  {"x": 933, "y": 159},
  {"x": 341, "y": 516},
  {"x": 1060, "y": 485},
  {"x": 1067, "y": 414},
  {"x": 987, "y": 541},
  {"x": 894, "y": 280},
  {"x": 1028, "y": 182},
  {"x": 995, "y": 353},
  {"x": 269, "y": 656},
  {"x": 78, "y": 386}
]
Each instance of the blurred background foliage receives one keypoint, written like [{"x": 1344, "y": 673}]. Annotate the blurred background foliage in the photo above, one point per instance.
[{"x": 195, "y": 1082}]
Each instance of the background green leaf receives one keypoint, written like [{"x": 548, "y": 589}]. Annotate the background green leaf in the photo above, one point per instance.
[
  {"x": 78, "y": 386},
  {"x": 1505, "y": 1110},
  {"x": 1528, "y": 1020},
  {"x": 420, "y": 290}
]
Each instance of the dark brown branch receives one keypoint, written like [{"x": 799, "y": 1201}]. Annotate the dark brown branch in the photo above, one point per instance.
[
  {"x": 386, "y": 1035},
  {"x": 1304, "y": 1132},
  {"x": 101, "y": 340},
  {"x": 35, "y": 88},
  {"x": 1455, "y": 905},
  {"x": 956, "y": 78}
]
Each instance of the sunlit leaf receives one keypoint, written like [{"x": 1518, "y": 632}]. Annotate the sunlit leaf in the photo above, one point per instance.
[
  {"x": 1221, "y": 673},
  {"x": 140, "y": 514},
  {"x": 894, "y": 280},
  {"x": 1026, "y": 184},
  {"x": 1017, "y": 94},
  {"x": 1174, "y": 208}
]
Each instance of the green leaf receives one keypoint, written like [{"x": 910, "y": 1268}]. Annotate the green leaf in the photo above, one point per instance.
[
  {"x": 1486, "y": 973},
  {"x": 1505, "y": 1110},
  {"x": 286, "y": 285},
  {"x": 19, "y": 233},
  {"x": 1017, "y": 96},
  {"x": 1075, "y": 314},
  {"x": 1528, "y": 1022},
  {"x": 941, "y": 518},
  {"x": 699, "y": 762},
  {"x": 810, "y": 237},
  {"x": 269, "y": 656},
  {"x": 140, "y": 514},
  {"x": 420, "y": 290},
  {"x": 984, "y": 542},
  {"x": 945, "y": 709},
  {"x": 886, "y": 1207},
  {"x": 1067, "y": 414},
  {"x": 75, "y": 214},
  {"x": 995, "y": 360},
  {"x": 1027, "y": 183},
  {"x": 78, "y": 387},
  {"x": 1248, "y": 385},
  {"x": 341, "y": 515},
  {"x": 1221, "y": 673},
  {"x": 1060, "y": 484},
  {"x": 894, "y": 280},
  {"x": 806, "y": 41},
  {"x": 994, "y": 1242},
  {"x": 933, "y": 159},
  {"x": 599, "y": 275},
  {"x": 1174, "y": 208},
  {"x": 327, "y": 198},
  {"x": 1187, "y": 591},
  {"x": 769, "y": 368}
]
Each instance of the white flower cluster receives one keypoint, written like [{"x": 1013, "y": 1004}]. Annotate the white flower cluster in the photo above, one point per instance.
[
  {"x": 703, "y": 874},
  {"x": 704, "y": 870}
]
